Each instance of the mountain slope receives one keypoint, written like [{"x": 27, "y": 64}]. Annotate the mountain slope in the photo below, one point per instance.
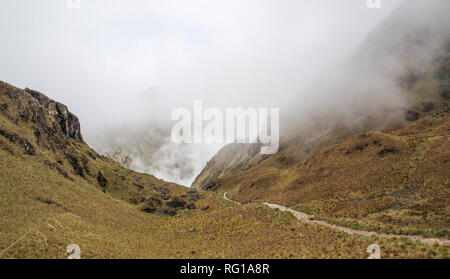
[
  {"x": 365, "y": 165},
  {"x": 55, "y": 191},
  {"x": 401, "y": 179},
  {"x": 34, "y": 127},
  {"x": 413, "y": 55}
]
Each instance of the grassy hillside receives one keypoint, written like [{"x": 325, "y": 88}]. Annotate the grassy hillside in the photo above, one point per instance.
[
  {"x": 412, "y": 54},
  {"x": 393, "y": 182},
  {"x": 52, "y": 195},
  {"x": 384, "y": 170},
  {"x": 105, "y": 227},
  {"x": 35, "y": 128}
]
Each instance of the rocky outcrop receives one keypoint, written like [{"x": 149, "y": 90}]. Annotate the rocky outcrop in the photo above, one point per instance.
[
  {"x": 68, "y": 122},
  {"x": 101, "y": 179},
  {"x": 176, "y": 203},
  {"x": 28, "y": 148},
  {"x": 194, "y": 195}
]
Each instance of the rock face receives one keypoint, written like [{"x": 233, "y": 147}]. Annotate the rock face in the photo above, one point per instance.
[{"x": 68, "y": 122}]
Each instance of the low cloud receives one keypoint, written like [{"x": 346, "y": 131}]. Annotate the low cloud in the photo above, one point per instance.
[{"x": 130, "y": 63}]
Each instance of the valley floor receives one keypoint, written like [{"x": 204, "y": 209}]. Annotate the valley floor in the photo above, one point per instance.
[
  {"x": 303, "y": 217},
  {"x": 105, "y": 227}
]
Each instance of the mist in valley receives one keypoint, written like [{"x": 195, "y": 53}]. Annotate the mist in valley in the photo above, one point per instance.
[{"x": 123, "y": 66}]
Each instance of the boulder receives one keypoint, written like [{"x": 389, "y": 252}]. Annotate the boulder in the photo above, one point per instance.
[
  {"x": 169, "y": 211},
  {"x": 176, "y": 202},
  {"x": 412, "y": 116},
  {"x": 148, "y": 209},
  {"x": 427, "y": 107},
  {"x": 192, "y": 206},
  {"x": 194, "y": 195},
  {"x": 152, "y": 201}
]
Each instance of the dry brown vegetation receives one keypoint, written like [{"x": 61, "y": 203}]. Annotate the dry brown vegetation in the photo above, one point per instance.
[
  {"x": 386, "y": 171},
  {"x": 44, "y": 199},
  {"x": 393, "y": 182}
]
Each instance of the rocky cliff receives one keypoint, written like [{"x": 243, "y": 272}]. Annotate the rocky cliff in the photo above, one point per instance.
[
  {"x": 68, "y": 122},
  {"x": 46, "y": 132}
]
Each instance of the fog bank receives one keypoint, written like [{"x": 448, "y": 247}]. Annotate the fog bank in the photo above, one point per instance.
[{"x": 123, "y": 66}]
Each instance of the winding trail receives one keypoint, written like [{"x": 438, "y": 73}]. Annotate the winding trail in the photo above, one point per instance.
[{"x": 304, "y": 218}]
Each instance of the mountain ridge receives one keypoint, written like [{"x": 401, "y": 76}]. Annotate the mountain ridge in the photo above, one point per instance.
[{"x": 381, "y": 199}]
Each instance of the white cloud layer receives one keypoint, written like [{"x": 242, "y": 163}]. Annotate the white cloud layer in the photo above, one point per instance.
[{"x": 122, "y": 62}]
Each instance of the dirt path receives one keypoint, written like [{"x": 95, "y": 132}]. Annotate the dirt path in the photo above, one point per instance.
[
  {"x": 304, "y": 218},
  {"x": 226, "y": 198}
]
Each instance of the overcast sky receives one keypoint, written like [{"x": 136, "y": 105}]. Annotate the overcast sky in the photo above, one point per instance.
[{"x": 116, "y": 61}]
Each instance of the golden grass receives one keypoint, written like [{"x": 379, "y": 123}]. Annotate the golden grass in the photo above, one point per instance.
[
  {"x": 56, "y": 211},
  {"x": 105, "y": 227},
  {"x": 390, "y": 182}
]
